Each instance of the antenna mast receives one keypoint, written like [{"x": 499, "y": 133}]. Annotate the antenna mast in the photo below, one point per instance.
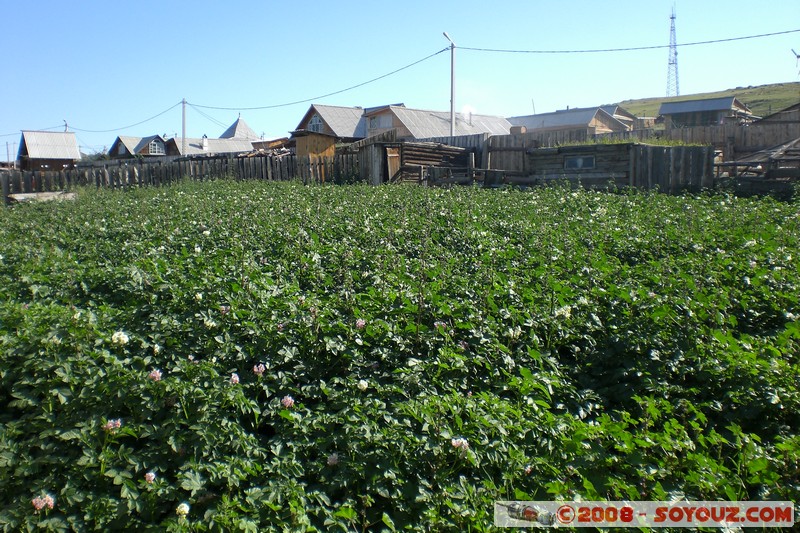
[{"x": 673, "y": 88}]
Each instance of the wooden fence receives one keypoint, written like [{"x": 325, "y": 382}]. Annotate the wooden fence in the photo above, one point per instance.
[
  {"x": 515, "y": 160},
  {"x": 732, "y": 140},
  {"x": 141, "y": 173},
  {"x": 522, "y": 159}
]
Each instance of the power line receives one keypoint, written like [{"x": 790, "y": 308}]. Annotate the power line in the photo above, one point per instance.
[
  {"x": 624, "y": 49},
  {"x": 207, "y": 116},
  {"x": 324, "y": 95},
  {"x": 40, "y": 129},
  {"x": 130, "y": 126}
]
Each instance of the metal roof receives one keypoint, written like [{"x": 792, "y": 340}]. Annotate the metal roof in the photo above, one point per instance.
[
  {"x": 215, "y": 146},
  {"x": 240, "y": 130},
  {"x": 130, "y": 143},
  {"x": 696, "y": 106},
  {"x": 345, "y": 122},
  {"x": 578, "y": 118},
  {"x": 135, "y": 145},
  {"x": 49, "y": 145},
  {"x": 423, "y": 124}
]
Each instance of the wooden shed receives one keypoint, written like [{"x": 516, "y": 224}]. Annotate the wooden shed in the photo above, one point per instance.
[
  {"x": 313, "y": 145},
  {"x": 385, "y": 159},
  {"x": 47, "y": 150}
]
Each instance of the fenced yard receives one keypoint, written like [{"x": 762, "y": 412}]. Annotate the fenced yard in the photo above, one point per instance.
[{"x": 523, "y": 159}]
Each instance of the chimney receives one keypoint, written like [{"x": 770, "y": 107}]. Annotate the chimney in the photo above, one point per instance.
[{"x": 205, "y": 143}]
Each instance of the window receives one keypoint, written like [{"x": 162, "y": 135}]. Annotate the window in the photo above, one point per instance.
[
  {"x": 578, "y": 162},
  {"x": 380, "y": 122},
  {"x": 120, "y": 149},
  {"x": 315, "y": 124},
  {"x": 156, "y": 147}
]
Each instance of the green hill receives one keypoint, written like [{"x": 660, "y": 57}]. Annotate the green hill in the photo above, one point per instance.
[{"x": 762, "y": 100}]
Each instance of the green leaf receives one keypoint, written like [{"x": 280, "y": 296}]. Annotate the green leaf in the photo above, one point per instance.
[
  {"x": 192, "y": 481},
  {"x": 348, "y": 513},
  {"x": 387, "y": 520}
]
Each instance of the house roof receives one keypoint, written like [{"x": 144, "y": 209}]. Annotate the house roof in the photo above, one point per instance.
[
  {"x": 344, "y": 122},
  {"x": 778, "y": 116},
  {"x": 135, "y": 145},
  {"x": 240, "y": 130},
  {"x": 215, "y": 146},
  {"x": 696, "y": 106},
  {"x": 424, "y": 124},
  {"x": 616, "y": 111},
  {"x": 49, "y": 145},
  {"x": 566, "y": 118}
]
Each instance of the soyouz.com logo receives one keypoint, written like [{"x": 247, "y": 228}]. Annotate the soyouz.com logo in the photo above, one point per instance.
[{"x": 644, "y": 514}]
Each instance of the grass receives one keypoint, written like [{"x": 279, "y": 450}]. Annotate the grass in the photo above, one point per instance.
[{"x": 762, "y": 100}]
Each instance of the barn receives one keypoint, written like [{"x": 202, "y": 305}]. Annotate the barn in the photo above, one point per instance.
[{"x": 705, "y": 112}]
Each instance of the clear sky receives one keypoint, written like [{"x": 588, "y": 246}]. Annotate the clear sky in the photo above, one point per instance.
[{"x": 106, "y": 65}]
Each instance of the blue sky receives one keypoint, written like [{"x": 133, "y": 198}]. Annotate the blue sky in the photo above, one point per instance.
[{"x": 107, "y": 65}]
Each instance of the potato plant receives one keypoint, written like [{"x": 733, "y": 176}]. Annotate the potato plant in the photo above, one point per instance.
[{"x": 255, "y": 356}]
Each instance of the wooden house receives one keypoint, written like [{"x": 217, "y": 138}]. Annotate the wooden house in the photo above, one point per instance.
[
  {"x": 126, "y": 147},
  {"x": 579, "y": 121},
  {"x": 325, "y": 126},
  {"x": 47, "y": 150},
  {"x": 705, "y": 112},
  {"x": 413, "y": 124}
]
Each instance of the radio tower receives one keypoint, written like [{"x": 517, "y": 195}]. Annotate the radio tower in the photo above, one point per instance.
[{"x": 673, "y": 89}]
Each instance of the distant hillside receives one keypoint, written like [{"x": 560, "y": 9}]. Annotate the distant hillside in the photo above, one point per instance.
[{"x": 762, "y": 100}]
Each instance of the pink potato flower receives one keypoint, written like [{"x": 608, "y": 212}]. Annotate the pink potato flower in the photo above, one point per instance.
[
  {"x": 40, "y": 502},
  {"x": 150, "y": 477},
  {"x": 287, "y": 402},
  {"x": 112, "y": 424},
  {"x": 155, "y": 375},
  {"x": 460, "y": 443}
]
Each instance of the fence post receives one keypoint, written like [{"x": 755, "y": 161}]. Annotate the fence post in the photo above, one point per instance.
[{"x": 4, "y": 182}]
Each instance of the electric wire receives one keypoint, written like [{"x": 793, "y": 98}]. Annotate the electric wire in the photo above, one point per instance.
[
  {"x": 130, "y": 126},
  {"x": 40, "y": 129},
  {"x": 325, "y": 95},
  {"x": 603, "y": 50},
  {"x": 207, "y": 116},
  {"x": 197, "y": 107}
]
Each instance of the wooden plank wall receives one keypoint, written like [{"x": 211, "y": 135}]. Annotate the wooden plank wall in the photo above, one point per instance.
[
  {"x": 668, "y": 169},
  {"x": 733, "y": 139},
  {"x": 471, "y": 142}
]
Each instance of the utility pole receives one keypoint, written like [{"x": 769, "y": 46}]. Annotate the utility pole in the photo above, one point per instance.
[
  {"x": 452, "y": 85},
  {"x": 183, "y": 129},
  {"x": 8, "y": 153}
]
